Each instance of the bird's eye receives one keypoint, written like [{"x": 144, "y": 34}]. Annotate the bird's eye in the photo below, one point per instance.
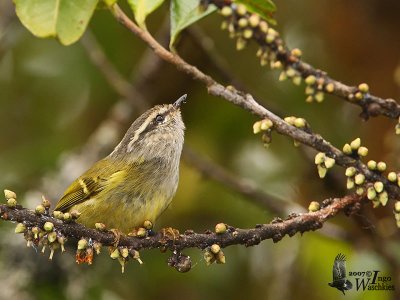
[{"x": 159, "y": 118}]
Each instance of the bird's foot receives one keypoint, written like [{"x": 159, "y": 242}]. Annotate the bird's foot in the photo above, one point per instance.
[{"x": 117, "y": 236}]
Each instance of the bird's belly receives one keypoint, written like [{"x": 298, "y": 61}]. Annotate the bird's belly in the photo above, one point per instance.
[{"x": 123, "y": 213}]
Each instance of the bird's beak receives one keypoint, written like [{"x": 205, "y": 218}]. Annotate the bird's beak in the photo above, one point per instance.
[{"x": 179, "y": 102}]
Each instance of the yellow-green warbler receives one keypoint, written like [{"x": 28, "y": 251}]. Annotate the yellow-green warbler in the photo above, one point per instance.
[{"x": 137, "y": 181}]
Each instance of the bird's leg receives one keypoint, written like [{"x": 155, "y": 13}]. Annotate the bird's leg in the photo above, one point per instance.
[{"x": 117, "y": 236}]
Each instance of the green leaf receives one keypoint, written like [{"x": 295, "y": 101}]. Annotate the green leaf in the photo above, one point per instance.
[
  {"x": 264, "y": 8},
  {"x": 64, "y": 19},
  {"x": 183, "y": 14},
  {"x": 142, "y": 8}
]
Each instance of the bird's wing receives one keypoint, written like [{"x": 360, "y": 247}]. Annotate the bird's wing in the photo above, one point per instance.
[
  {"x": 89, "y": 185},
  {"x": 339, "y": 267}
]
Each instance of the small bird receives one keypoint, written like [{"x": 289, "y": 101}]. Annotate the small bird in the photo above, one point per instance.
[
  {"x": 138, "y": 179},
  {"x": 339, "y": 274}
]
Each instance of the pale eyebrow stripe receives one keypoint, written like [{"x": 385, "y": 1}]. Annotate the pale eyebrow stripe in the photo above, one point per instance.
[{"x": 143, "y": 127}]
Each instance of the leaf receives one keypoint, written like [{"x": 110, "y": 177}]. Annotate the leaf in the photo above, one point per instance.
[
  {"x": 264, "y": 8},
  {"x": 64, "y": 19},
  {"x": 183, "y": 14},
  {"x": 142, "y": 8}
]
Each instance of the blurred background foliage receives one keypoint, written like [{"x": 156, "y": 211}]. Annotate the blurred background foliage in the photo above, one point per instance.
[{"x": 52, "y": 98}]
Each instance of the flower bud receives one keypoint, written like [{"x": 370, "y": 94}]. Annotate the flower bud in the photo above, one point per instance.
[
  {"x": 11, "y": 202},
  {"x": 114, "y": 254},
  {"x": 321, "y": 171},
  {"x": 381, "y": 166},
  {"x": 226, "y": 11},
  {"x": 310, "y": 80},
  {"x": 52, "y": 236},
  {"x": 220, "y": 228},
  {"x": 359, "y": 179},
  {"x": 100, "y": 226},
  {"x": 141, "y": 232},
  {"x": 319, "y": 158},
  {"x": 329, "y": 162},
  {"x": 10, "y": 194},
  {"x": 330, "y": 88},
  {"x": 371, "y": 193},
  {"x": 347, "y": 149},
  {"x": 355, "y": 144},
  {"x": 247, "y": 33},
  {"x": 82, "y": 244},
  {"x": 350, "y": 171},
  {"x": 358, "y": 96},
  {"x": 46, "y": 203},
  {"x": 257, "y": 127},
  {"x": 378, "y": 186},
  {"x": 35, "y": 230},
  {"x": 319, "y": 97},
  {"x": 241, "y": 10},
  {"x": 254, "y": 20},
  {"x": 363, "y": 88},
  {"x": 397, "y": 207},
  {"x": 220, "y": 257},
  {"x": 215, "y": 248},
  {"x": 147, "y": 224},
  {"x": 209, "y": 257},
  {"x": 314, "y": 206},
  {"x": 263, "y": 26},
  {"x": 360, "y": 191},
  {"x": 372, "y": 165},
  {"x": 392, "y": 176},
  {"x": 124, "y": 252},
  {"x": 20, "y": 228},
  {"x": 75, "y": 214},
  {"x": 350, "y": 183},
  {"x": 383, "y": 198},
  {"x": 296, "y": 52},
  {"x": 266, "y": 124},
  {"x": 40, "y": 209},
  {"x": 67, "y": 217},
  {"x": 48, "y": 226},
  {"x": 362, "y": 151},
  {"x": 58, "y": 215},
  {"x": 300, "y": 123}
]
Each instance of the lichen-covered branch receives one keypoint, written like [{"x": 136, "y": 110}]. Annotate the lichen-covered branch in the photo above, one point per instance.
[{"x": 169, "y": 238}]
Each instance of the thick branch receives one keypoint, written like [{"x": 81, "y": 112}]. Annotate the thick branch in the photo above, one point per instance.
[{"x": 275, "y": 230}]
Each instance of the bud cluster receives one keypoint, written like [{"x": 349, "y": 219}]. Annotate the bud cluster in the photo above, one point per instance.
[
  {"x": 214, "y": 254},
  {"x": 360, "y": 93},
  {"x": 323, "y": 163},
  {"x": 265, "y": 126}
]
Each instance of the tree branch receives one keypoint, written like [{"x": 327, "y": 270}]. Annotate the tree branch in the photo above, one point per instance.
[
  {"x": 247, "y": 102},
  {"x": 371, "y": 105},
  {"x": 169, "y": 239}
]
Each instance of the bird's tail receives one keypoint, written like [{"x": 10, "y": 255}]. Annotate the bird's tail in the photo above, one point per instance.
[{"x": 348, "y": 285}]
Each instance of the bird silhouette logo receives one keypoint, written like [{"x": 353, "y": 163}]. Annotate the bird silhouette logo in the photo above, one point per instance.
[{"x": 339, "y": 280}]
